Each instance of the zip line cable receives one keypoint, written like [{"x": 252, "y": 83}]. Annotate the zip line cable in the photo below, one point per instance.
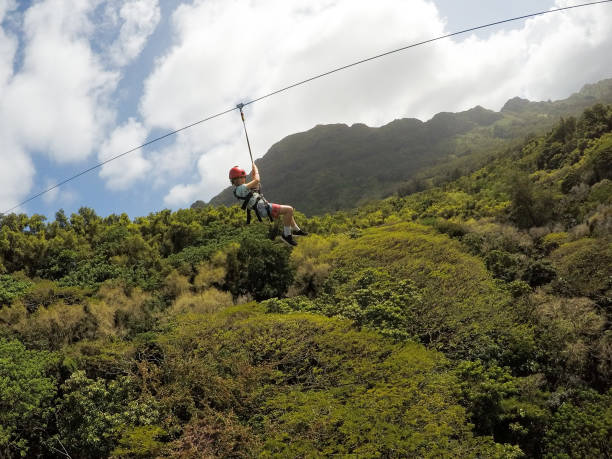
[
  {"x": 403, "y": 48},
  {"x": 321, "y": 75}
]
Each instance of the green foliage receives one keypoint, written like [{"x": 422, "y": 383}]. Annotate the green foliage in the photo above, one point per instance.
[
  {"x": 310, "y": 386},
  {"x": 569, "y": 336},
  {"x": 484, "y": 390},
  {"x": 455, "y": 322},
  {"x": 91, "y": 273},
  {"x": 140, "y": 441},
  {"x": 509, "y": 408},
  {"x": 92, "y": 414},
  {"x": 539, "y": 272},
  {"x": 595, "y": 121},
  {"x": 11, "y": 288},
  {"x": 371, "y": 299},
  {"x": 581, "y": 427},
  {"x": 456, "y": 292},
  {"x": 503, "y": 265},
  {"x": 27, "y": 389},
  {"x": 584, "y": 268},
  {"x": 559, "y": 143},
  {"x": 46, "y": 293},
  {"x": 530, "y": 206},
  {"x": 215, "y": 434},
  {"x": 259, "y": 267}
]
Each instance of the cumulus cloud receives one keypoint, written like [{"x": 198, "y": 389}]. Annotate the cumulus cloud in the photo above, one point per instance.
[
  {"x": 57, "y": 98},
  {"x": 16, "y": 173},
  {"x": 133, "y": 167},
  {"x": 140, "y": 18},
  {"x": 8, "y": 44},
  {"x": 207, "y": 178},
  {"x": 58, "y": 101}
]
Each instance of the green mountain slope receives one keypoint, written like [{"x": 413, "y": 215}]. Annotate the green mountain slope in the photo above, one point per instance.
[
  {"x": 472, "y": 319},
  {"x": 336, "y": 167}
]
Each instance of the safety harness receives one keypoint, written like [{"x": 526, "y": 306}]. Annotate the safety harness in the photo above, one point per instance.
[{"x": 245, "y": 205}]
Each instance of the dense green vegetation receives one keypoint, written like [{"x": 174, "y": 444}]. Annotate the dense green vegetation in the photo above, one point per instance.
[{"x": 471, "y": 319}]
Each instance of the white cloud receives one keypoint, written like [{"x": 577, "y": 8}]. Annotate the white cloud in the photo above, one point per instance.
[
  {"x": 140, "y": 20},
  {"x": 227, "y": 52},
  {"x": 210, "y": 176},
  {"x": 131, "y": 168},
  {"x": 6, "y": 6},
  {"x": 57, "y": 100},
  {"x": 8, "y": 44},
  {"x": 16, "y": 174}
]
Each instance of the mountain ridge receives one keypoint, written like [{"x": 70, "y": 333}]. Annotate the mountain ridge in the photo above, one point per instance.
[{"x": 340, "y": 165}]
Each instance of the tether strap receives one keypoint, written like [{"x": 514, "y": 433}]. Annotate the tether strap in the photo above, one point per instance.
[{"x": 239, "y": 107}]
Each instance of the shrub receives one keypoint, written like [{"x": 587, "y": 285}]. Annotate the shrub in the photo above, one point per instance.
[
  {"x": 211, "y": 273},
  {"x": 553, "y": 240},
  {"x": 567, "y": 331},
  {"x": 27, "y": 390},
  {"x": 175, "y": 284},
  {"x": 57, "y": 326},
  {"x": 92, "y": 414},
  {"x": 45, "y": 293},
  {"x": 309, "y": 386},
  {"x": 12, "y": 288},
  {"x": 581, "y": 427},
  {"x": 503, "y": 265},
  {"x": 260, "y": 268},
  {"x": 205, "y": 302},
  {"x": 538, "y": 272},
  {"x": 311, "y": 269},
  {"x": 584, "y": 267}
]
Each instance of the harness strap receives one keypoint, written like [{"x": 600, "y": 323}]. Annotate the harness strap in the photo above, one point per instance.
[{"x": 245, "y": 206}]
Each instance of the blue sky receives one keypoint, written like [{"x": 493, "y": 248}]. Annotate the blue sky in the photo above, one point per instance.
[{"x": 89, "y": 79}]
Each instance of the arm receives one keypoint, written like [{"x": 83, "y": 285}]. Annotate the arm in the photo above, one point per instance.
[{"x": 253, "y": 184}]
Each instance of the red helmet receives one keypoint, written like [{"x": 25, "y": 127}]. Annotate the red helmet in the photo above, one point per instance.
[{"x": 236, "y": 172}]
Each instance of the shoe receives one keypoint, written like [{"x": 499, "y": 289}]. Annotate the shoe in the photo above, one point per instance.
[
  {"x": 300, "y": 232},
  {"x": 288, "y": 240}
]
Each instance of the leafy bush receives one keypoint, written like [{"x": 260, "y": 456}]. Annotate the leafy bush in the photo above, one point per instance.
[
  {"x": 583, "y": 268},
  {"x": 27, "y": 391},
  {"x": 581, "y": 427},
  {"x": 309, "y": 386},
  {"x": 568, "y": 333},
  {"x": 11, "y": 288},
  {"x": 92, "y": 414},
  {"x": 503, "y": 265},
  {"x": 260, "y": 268},
  {"x": 456, "y": 290}
]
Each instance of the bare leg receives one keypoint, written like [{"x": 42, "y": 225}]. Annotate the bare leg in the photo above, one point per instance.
[{"x": 287, "y": 214}]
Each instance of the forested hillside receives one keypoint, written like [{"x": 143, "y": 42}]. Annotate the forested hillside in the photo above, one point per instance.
[
  {"x": 471, "y": 319},
  {"x": 335, "y": 167}
]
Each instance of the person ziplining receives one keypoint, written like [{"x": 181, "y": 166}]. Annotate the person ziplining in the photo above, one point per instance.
[{"x": 253, "y": 200}]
